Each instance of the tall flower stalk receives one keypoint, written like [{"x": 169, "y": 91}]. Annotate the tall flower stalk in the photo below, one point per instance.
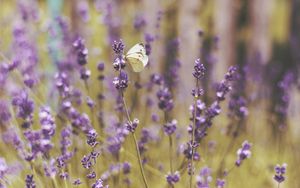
[
  {"x": 198, "y": 74},
  {"x": 121, "y": 83}
]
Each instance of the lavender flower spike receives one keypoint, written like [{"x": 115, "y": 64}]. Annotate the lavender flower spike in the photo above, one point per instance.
[
  {"x": 280, "y": 172},
  {"x": 243, "y": 153}
]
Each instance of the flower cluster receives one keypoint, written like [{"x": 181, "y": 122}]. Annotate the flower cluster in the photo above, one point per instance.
[
  {"x": 204, "y": 178},
  {"x": 82, "y": 53},
  {"x": 280, "y": 173},
  {"x": 131, "y": 126},
  {"x": 173, "y": 178},
  {"x": 165, "y": 100},
  {"x": 121, "y": 81},
  {"x": 118, "y": 47},
  {"x": 30, "y": 182},
  {"x": 170, "y": 127},
  {"x": 199, "y": 69},
  {"x": 25, "y": 107},
  {"x": 243, "y": 153}
]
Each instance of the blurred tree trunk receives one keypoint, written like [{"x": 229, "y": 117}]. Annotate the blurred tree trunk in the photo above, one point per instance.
[
  {"x": 73, "y": 15},
  {"x": 294, "y": 36},
  {"x": 189, "y": 45},
  {"x": 260, "y": 40},
  {"x": 225, "y": 29},
  {"x": 295, "y": 49},
  {"x": 151, "y": 10}
]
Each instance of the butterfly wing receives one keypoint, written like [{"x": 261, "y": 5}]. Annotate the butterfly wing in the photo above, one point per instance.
[
  {"x": 136, "y": 62},
  {"x": 138, "y": 48},
  {"x": 137, "y": 57}
]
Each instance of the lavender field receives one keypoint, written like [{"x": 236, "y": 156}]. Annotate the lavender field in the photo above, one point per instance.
[{"x": 149, "y": 93}]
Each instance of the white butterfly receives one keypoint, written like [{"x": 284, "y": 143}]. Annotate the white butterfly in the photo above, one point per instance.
[{"x": 137, "y": 57}]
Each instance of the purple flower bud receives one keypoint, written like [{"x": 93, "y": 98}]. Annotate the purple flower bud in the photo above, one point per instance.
[
  {"x": 77, "y": 182},
  {"x": 199, "y": 69},
  {"x": 119, "y": 63},
  {"x": 121, "y": 82},
  {"x": 131, "y": 126},
  {"x": 64, "y": 175},
  {"x": 280, "y": 172},
  {"x": 81, "y": 51},
  {"x": 85, "y": 73},
  {"x": 92, "y": 137},
  {"x": 243, "y": 153},
  {"x": 197, "y": 92},
  {"x": 204, "y": 178},
  {"x": 157, "y": 79},
  {"x": 118, "y": 47},
  {"x": 165, "y": 101},
  {"x": 24, "y": 104},
  {"x": 29, "y": 181},
  {"x": 91, "y": 175},
  {"x": 139, "y": 22},
  {"x": 90, "y": 102},
  {"x": 126, "y": 168},
  {"x": 170, "y": 127},
  {"x": 100, "y": 66},
  {"x": 220, "y": 183},
  {"x": 5, "y": 115},
  {"x": 99, "y": 184},
  {"x": 173, "y": 178}
]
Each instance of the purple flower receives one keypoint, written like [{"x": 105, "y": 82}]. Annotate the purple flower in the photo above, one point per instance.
[
  {"x": 85, "y": 73},
  {"x": 81, "y": 51},
  {"x": 91, "y": 175},
  {"x": 243, "y": 153},
  {"x": 47, "y": 123},
  {"x": 220, "y": 183},
  {"x": 126, "y": 167},
  {"x": 83, "y": 10},
  {"x": 197, "y": 92},
  {"x": 157, "y": 79},
  {"x": 29, "y": 181},
  {"x": 4, "y": 112},
  {"x": 50, "y": 169},
  {"x": 99, "y": 184},
  {"x": 92, "y": 137},
  {"x": 173, "y": 178},
  {"x": 204, "y": 178},
  {"x": 224, "y": 87},
  {"x": 118, "y": 47},
  {"x": 86, "y": 162},
  {"x": 24, "y": 104},
  {"x": 280, "y": 172},
  {"x": 100, "y": 66},
  {"x": 170, "y": 127},
  {"x": 29, "y": 81},
  {"x": 199, "y": 69},
  {"x": 131, "y": 126},
  {"x": 139, "y": 22},
  {"x": 77, "y": 182},
  {"x": 66, "y": 141},
  {"x": 165, "y": 101},
  {"x": 3, "y": 168},
  {"x": 119, "y": 63},
  {"x": 121, "y": 81},
  {"x": 64, "y": 175}
]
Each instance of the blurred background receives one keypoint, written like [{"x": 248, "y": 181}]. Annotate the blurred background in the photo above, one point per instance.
[{"x": 262, "y": 38}]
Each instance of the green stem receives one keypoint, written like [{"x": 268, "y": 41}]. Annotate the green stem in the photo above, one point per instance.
[
  {"x": 135, "y": 142},
  {"x": 140, "y": 160},
  {"x": 171, "y": 157},
  {"x": 170, "y": 153},
  {"x": 193, "y": 137}
]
